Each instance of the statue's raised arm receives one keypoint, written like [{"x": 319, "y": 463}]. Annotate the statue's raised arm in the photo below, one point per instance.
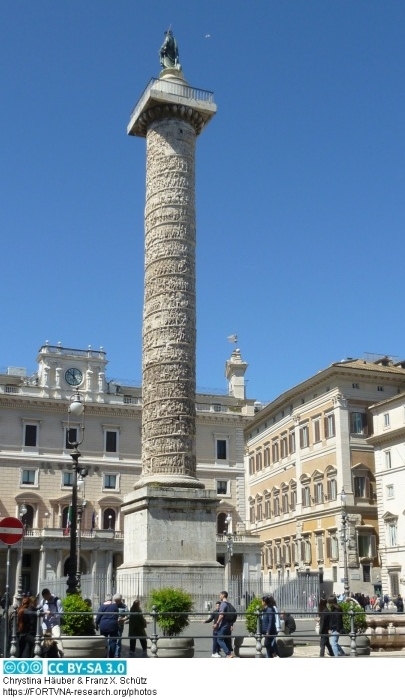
[{"x": 169, "y": 52}]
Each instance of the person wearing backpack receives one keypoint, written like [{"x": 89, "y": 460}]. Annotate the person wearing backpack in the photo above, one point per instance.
[{"x": 226, "y": 619}]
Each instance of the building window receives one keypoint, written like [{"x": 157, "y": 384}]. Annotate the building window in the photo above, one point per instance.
[
  {"x": 252, "y": 513},
  {"x": 386, "y": 419},
  {"x": 30, "y": 435},
  {"x": 251, "y": 465},
  {"x": 317, "y": 430},
  {"x": 306, "y": 551},
  {"x": 276, "y": 505},
  {"x": 330, "y": 425},
  {"x": 319, "y": 548},
  {"x": 284, "y": 446},
  {"x": 334, "y": 573},
  {"x": 394, "y": 584},
  {"x": 266, "y": 457},
  {"x": 366, "y": 573},
  {"x": 387, "y": 459},
  {"x": 259, "y": 461},
  {"x": 318, "y": 493},
  {"x": 291, "y": 440},
  {"x": 358, "y": 423},
  {"x": 367, "y": 545},
  {"x": 109, "y": 517},
  {"x": 306, "y": 496},
  {"x": 355, "y": 385},
  {"x": 67, "y": 479},
  {"x": 293, "y": 499},
  {"x": 380, "y": 388},
  {"x": 221, "y": 449},
  {"x": 70, "y": 436},
  {"x": 111, "y": 441},
  {"x": 304, "y": 437},
  {"x": 29, "y": 476},
  {"x": 332, "y": 489},
  {"x": 360, "y": 487},
  {"x": 285, "y": 503},
  {"x": 222, "y": 487},
  {"x": 390, "y": 491},
  {"x": 267, "y": 508},
  {"x": 274, "y": 450},
  {"x": 259, "y": 512},
  {"x": 110, "y": 481},
  {"x": 332, "y": 547},
  {"x": 392, "y": 533}
]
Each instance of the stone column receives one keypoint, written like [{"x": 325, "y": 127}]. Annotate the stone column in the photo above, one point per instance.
[
  {"x": 170, "y": 115},
  {"x": 169, "y": 519}
]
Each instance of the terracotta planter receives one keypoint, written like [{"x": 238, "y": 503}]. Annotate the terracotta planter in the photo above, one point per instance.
[{"x": 84, "y": 646}]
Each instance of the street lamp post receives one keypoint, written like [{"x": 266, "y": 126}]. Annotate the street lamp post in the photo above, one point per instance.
[
  {"x": 76, "y": 408},
  {"x": 80, "y": 510},
  {"x": 22, "y": 512},
  {"x": 229, "y": 546},
  {"x": 344, "y": 539}
]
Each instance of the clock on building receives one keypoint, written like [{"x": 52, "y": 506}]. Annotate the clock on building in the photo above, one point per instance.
[{"x": 73, "y": 376}]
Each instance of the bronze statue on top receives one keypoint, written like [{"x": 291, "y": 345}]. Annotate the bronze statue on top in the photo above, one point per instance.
[{"x": 169, "y": 52}]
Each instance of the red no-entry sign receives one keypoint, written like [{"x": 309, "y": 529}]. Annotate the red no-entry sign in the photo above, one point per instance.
[{"x": 11, "y": 530}]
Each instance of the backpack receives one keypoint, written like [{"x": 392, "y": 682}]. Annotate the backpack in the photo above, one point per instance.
[{"x": 231, "y": 614}]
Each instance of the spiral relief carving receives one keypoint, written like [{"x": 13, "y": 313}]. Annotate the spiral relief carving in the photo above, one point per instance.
[{"x": 169, "y": 317}]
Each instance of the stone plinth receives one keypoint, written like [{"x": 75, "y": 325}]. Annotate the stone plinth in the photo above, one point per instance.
[{"x": 169, "y": 538}]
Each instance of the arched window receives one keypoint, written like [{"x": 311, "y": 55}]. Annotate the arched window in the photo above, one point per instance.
[
  {"x": 221, "y": 523},
  {"x": 83, "y": 566},
  {"x": 109, "y": 517},
  {"x": 28, "y": 518},
  {"x": 65, "y": 517}
]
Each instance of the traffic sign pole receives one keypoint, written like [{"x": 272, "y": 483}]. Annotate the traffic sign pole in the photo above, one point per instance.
[
  {"x": 11, "y": 532},
  {"x": 6, "y": 614}
]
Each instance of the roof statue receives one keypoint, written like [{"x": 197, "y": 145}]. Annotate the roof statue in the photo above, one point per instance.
[{"x": 169, "y": 52}]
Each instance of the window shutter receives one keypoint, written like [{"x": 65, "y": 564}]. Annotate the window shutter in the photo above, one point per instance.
[
  {"x": 369, "y": 418},
  {"x": 303, "y": 551},
  {"x": 328, "y": 548},
  {"x": 373, "y": 546}
]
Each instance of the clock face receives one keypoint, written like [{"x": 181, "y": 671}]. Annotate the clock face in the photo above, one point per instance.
[{"x": 73, "y": 377}]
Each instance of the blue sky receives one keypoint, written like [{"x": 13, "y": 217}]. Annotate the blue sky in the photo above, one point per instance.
[{"x": 300, "y": 180}]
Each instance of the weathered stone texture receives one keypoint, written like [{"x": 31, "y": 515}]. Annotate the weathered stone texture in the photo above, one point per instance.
[{"x": 169, "y": 318}]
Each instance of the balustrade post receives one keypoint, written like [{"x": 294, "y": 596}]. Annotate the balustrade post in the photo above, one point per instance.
[
  {"x": 154, "y": 635},
  {"x": 13, "y": 642},
  {"x": 353, "y": 645},
  {"x": 258, "y": 634}
]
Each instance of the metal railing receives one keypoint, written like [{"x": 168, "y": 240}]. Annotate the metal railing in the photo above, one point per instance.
[{"x": 152, "y": 634}]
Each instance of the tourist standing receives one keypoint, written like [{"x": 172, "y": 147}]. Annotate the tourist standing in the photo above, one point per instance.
[
  {"x": 137, "y": 628},
  {"x": 107, "y": 623}
]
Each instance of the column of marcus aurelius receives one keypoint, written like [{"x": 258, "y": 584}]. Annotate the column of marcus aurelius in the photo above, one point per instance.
[{"x": 169, "y": 518}]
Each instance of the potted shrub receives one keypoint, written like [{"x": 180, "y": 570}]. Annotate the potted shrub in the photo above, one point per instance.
[
  {"x": 362, "y": 641},
  {"x": 172, "y": 606},
  {"x": 79, "y": 635}
]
